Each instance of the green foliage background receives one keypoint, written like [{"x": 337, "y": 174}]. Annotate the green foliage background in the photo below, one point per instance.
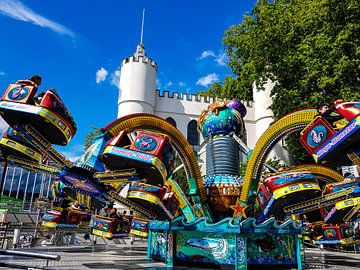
[
  {"x": 91, "y": 136},
  {"x": 310, "y": 48}
]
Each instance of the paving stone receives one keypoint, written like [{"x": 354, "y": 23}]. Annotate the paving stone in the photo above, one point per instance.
[{"x": 134, "y": 257}]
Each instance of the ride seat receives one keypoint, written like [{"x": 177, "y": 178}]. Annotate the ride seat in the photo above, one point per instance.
[
  {"x": 53, "y": 102},
  {"x": 121, "y": 140},
  {"x": 348, "y": 110}
]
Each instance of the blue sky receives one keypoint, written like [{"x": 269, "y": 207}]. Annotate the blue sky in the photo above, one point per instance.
[{"x": 77, "y": 47}]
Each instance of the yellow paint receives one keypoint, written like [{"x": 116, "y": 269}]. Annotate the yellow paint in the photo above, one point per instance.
[
  {"x": 281, "y": 192},
  {"x": 102, "y": 234},
  {"x": 139, "y": 233},
  {"x": 49, "y": 224},
  {"x": 20, "y": 148},
  {"x": 143, "y": 196},
  {"x": 287, "y": 124},
  {"x": 55, "y": 120},
  {"x": 348, "y": 203},
  {"x": 157, "y": 124}
]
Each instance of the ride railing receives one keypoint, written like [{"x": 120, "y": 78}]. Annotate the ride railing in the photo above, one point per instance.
[{"x": 29, "y": 254}]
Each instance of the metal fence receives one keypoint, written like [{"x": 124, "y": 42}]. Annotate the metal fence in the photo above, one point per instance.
[{"x": 24, "y": 185}]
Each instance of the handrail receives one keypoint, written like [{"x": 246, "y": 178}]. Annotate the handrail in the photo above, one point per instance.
[{"x": 54, "y": 257}]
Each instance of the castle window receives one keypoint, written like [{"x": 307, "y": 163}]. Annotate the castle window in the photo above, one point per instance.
[
  {"x": 193, "y": 135},
  {"x": 171, "y": 121}
]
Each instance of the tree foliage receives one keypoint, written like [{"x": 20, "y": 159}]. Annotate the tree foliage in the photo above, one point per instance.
[
  {"x": 310, "y": 48},
  {"x": 91, "y": 136}
]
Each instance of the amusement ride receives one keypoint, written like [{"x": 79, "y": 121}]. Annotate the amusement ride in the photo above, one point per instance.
[{"x": 221, "y": 218}]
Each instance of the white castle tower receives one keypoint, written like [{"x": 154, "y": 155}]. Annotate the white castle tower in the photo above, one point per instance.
[
  {"x": 263, "y": 115},
  {"x": 137, "y": 82}
]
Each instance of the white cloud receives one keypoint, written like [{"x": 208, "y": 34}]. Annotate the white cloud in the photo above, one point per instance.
[
  {"x": 182, "y": 84},
  {"x": 115, "y": 78},
  {"x": 101, "y": 75},
  {"x": 2, "y": 73},
  {"x": 208, "y": 79},
  {"x": 221, "y": 59},
  {"x": 206, "y": 54},
  {"x": 18, "y": 11},
  {"x": 168, "y": 84}
]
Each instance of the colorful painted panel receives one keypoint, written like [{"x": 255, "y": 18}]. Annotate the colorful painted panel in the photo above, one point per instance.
[
  {"x": 207, "y": 248},
  {"x": 271, "y": 249},
  {"x": 158, "y": 245},
  {"x": 346, "y": 231},
  {"x": 19, "y": 93},
  {"x": 139, "y": 227},
  {"x": 313, "y": 136},
  {"x": 102, "y": 225}
]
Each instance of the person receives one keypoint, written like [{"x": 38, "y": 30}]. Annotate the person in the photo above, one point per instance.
[
  {"x": 114, "y": 214},
  {"x": 64, "y": 204},
  {"x": 130, "y": 217},
  {"x": 34, "y": 80},
  {"x": 325, "y": 111},
  {"x": 39, "y": 98},
  {"x": 105, "y": 211},
  {"x": 75, "y": 205},
  {"x": 169, "y": 193},
  {"x": 357, "y": 228},
  {"x": 349, "y": 176}
]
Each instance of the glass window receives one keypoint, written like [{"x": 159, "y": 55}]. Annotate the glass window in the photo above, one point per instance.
[
  {"x": 171, "y": 121},
  {"x": 193, "y": 135}
]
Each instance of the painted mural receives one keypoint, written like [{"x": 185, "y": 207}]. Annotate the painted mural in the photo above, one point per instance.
[
  {"x": 271, "y": 249},
  {"x": 158, "y": 245},
  {"x": 208, "y": 248}
]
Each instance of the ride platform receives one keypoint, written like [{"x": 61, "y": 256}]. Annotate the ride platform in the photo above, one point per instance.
[
  {"x": 281, "y": 190},
  {"x": 12, "y": 144},
  {"x": 65, "y": 219},
  {"x": 110, "y": 227},
  {"x": 224, "y": 244},
  {"x": 49, "y": 117},
  {"x": 154, "y": 199},
  {"x": 344, "y": 211},
  {"x": 146, "y": 165}
]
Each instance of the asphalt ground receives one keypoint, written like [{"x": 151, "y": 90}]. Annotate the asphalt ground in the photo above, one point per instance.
[{"x": 126, "y": 256}]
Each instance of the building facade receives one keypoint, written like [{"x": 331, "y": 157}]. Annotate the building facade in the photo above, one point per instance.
[{"x": 138, "y": 94}]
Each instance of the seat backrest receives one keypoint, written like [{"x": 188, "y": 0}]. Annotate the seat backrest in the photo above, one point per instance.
[{"x": 348, "y": 110}]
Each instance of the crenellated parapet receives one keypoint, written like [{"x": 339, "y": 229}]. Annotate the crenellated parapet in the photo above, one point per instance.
[
  {"x": 139, "y": 58},
  {"x": 184, "y": 96}
]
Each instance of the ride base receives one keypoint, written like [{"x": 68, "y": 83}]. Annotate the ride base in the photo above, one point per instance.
[{"x": 225, "y": 244}]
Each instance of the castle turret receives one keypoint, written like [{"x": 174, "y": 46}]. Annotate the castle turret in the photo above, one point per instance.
[
  {"x": 137, "y": 84},
  {"x": 263, "y": 115}
]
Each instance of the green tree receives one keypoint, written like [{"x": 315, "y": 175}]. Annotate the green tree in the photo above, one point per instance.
[
  {"x": 91, "y": 136},
  {"x": 310, "y": 48}
]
